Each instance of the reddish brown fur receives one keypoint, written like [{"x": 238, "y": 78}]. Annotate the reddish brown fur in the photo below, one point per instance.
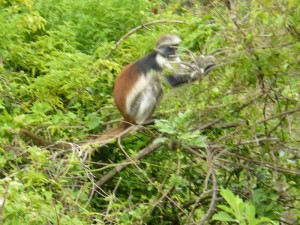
[
  {"x": 112, "y": 132},
  {"x": 123, "y": 85}
]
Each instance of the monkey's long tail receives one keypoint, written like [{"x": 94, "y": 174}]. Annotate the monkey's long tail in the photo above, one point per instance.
[
  {"x": 102, "y": 139},
  {"x": 111, "y": 133}
]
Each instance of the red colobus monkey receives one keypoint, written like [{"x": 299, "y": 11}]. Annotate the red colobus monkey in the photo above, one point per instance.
[{"x": 138, "y": 89}]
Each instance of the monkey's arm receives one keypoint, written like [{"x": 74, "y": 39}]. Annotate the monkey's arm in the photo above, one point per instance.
[
  {"x": 176, "y": 80},
  {"x": 198, "y": 70}
]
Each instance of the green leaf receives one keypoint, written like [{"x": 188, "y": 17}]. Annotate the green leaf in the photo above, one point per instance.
[
  {"x": 227, "y": 209},
  {"x": 263, "y": 220},
  {"x": 249, "y": 213},
  {"x": 93, "y": 121},
  {"x": 164, "y": 126},
  {"x": 234, "y": 201},
  {"x": 225, "y": 217}
]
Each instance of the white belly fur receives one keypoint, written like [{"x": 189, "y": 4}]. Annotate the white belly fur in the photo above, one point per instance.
[{"x": 149, "y": 88}]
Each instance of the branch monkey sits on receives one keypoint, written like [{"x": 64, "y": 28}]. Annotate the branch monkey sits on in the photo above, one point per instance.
[{"x": 138, "y": 89}]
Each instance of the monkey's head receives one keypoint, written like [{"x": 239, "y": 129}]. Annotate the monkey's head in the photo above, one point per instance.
[{"x": 166, "y": 47}]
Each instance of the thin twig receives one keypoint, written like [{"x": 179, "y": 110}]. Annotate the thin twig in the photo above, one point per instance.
[
  {"x": 148, "y": 179},
  {"x": 255, "y": 161},
  {"x": 213, "y": 202},
  {"x": 144, "y": 152},
  {"x": 113, "y": 196},
  {"x": 164, "y": 195},
  {"x": 284, "y": 114},
  {"x": 210, "y": 173}
]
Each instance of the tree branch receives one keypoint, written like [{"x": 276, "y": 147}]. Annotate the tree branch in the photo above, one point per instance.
[{"x": 138, "y": 28}]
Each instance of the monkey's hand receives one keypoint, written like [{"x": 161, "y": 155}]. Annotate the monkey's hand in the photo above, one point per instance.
[
  {"x": 202, "y": 66},
  {"x": 192, "y": 70}
]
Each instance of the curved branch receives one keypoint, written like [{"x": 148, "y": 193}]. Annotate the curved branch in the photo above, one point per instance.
[
  {"x": 39, "y": 140},
  {"x": 138, "y": 28}
]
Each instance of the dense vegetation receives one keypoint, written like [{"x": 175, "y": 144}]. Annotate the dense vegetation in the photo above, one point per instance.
[{"x": 223, "y": 151}]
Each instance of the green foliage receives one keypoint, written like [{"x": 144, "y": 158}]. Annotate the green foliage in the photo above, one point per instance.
[
  {"x": 178, "y": 128},
  {"x": 32, "y": 192},
  {"x": 239, "y": 212},
  {"x": 58, "y": 62}
]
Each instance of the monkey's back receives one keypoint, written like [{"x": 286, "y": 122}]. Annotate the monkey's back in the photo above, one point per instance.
[{"x": 123, "y": 85}]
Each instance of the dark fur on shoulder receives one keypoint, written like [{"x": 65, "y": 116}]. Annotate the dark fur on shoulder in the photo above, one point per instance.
[{"x": 147, "y": 63}]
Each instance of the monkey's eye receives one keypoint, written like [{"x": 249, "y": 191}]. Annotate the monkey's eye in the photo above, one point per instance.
[{"x": 172, "y": 49}]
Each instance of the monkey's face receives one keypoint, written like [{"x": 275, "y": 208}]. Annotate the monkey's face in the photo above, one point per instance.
[
  {"x": 170, "y": 52},
  {"x": 168, "y": 56}
]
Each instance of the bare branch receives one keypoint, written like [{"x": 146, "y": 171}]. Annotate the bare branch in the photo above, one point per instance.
[
  {"x": 284, "y": 114},
  {"x": 34, "y": 137}
]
